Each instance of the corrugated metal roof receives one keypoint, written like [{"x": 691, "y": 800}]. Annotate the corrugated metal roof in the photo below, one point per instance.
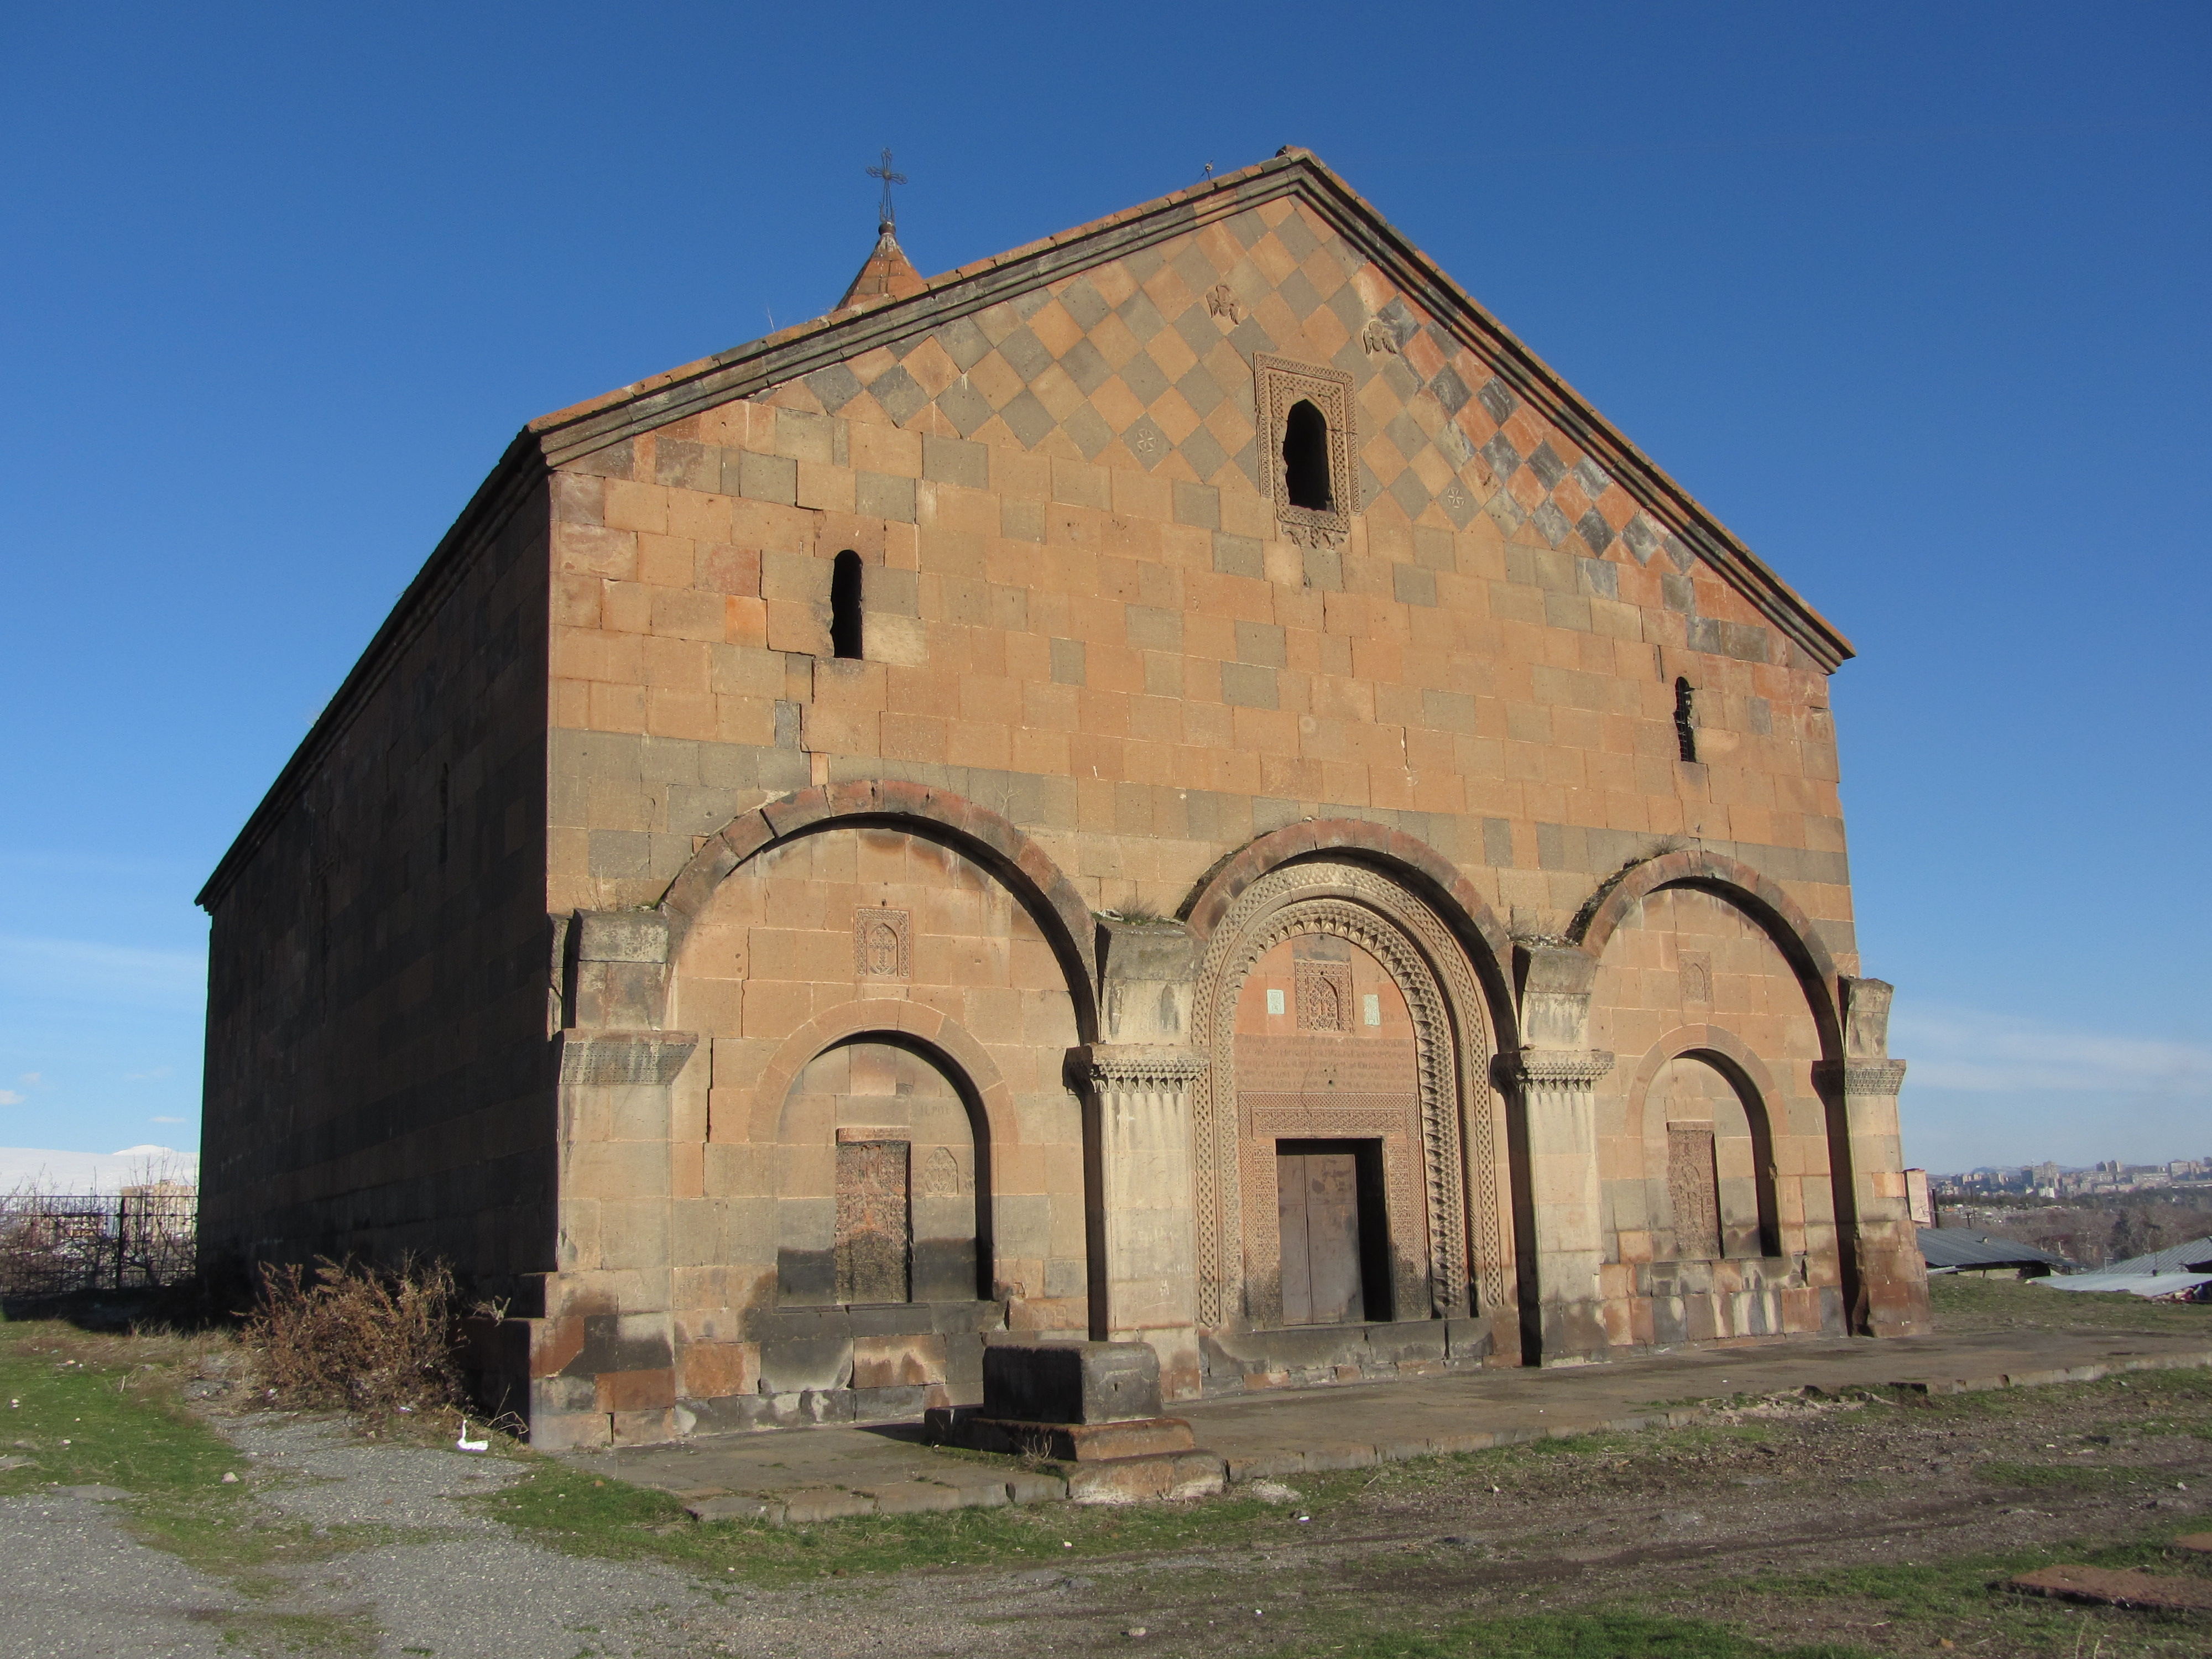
[
  {"x": 2195, "y": 1256},
  {"x": 1958, "y": 1247},
  {"x": 2149, "y": 1285}
]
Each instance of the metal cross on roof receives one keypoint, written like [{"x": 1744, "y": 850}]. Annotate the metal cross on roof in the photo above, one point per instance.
[{"x": 889, "y": 220}]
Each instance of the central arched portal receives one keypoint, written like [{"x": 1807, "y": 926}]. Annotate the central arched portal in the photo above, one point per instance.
[{"x": 1351, "y": 1153}]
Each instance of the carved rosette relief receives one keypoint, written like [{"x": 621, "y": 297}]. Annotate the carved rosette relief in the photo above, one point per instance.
[{"x": 1439, "y": 1155}]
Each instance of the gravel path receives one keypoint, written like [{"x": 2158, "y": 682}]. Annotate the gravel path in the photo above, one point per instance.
[{"x": 77, "y": 1586}]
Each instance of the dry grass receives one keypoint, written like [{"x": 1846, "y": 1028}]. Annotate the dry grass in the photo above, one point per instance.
[{"x": 356, "y": 1338}]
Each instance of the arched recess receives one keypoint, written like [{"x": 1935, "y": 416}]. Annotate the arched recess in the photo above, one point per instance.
[
  {"x": 1399, "y": 857},
  {"x": 1775, "y": 912},
  {"x": 995, "y": 1122},
  {"x": 976, "y": 832},
  {"x": 1755, "y": 1090},
  {"x": 1458, "y": 1196}
]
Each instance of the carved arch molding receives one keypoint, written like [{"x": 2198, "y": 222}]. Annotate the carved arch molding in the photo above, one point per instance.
[{"x": 1462, "y": 1123}]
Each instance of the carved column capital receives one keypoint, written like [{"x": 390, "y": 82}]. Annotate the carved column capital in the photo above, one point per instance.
[
  {"x": 1557, "y": 1069},
  {"x": 1861, "y": 1078},
  {"x": 1136, "y": 1065}
]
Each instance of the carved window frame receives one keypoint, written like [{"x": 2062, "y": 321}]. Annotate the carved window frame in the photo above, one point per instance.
[{"x": 1278, "y": 383}]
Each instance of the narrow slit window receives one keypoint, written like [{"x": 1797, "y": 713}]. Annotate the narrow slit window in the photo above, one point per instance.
[
  {"x": 845, "y": 605},
  {"x": 1305, "y": 458},
  {"x": 1685, "y": 726}
]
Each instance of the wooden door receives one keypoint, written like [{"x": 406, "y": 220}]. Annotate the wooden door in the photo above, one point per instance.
[{"x": 1317, "y": 1204}]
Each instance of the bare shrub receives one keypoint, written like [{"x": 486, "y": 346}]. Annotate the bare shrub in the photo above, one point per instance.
[{"x": 357, "y": 1338}]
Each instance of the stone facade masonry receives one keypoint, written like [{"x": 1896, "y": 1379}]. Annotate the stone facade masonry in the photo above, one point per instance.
[{"x": 1021, "y": 910}]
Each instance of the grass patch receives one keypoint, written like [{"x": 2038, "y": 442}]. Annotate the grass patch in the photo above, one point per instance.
[
  {"x": 1578, "y": 1636},
  {"x": 1961, "y": 1304},
  {"x": 93, "y": 1410},
  {"x": 1963, "y": 1599},
  {"x": 567, "y": 1508}
]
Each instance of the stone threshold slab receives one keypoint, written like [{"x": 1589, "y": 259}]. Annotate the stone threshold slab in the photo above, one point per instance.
[{"x": 792, "y": 1477}]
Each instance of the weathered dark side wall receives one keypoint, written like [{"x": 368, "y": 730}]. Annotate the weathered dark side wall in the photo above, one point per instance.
[{"x": 378, "y": 1068}]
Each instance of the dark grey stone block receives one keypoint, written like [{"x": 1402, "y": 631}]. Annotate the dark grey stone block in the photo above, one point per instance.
[
  {"x": 1405, "y": 432},
  {"x": 1551, "y": 522},
  {"x": 1448, "y": 389},
  {"x": 1089, "y": 429},
  {"x": 1085, "y": 367},
  {"x": 1410, "y": 493},
  {"x": 1083, "y": 303},
  {"x": 1299, "y": 295},
  {"x": 1028, "y": 419},
  {"x": 899, "y": 393},
  {"x": 1411, "y": 585},
  {"x": 1237, "y": 555},
  {"x": 1544, "y": 461},
  {"x": 964, "y": 406},
  {"x": 1596, "y": 532},
  {"x": 1140, "y": 316},
  {"x": 1025, "y": 352},
  {"x": 1144, "y": 377},
  {"x": 1498, "y": 398},
  {"x": 1245, "y": 685},
  {"x": 1067, "y": 662},
  {"x": 1070, "y": 1382},
  {"x": 1643, "y": 540},
  {"x": 836, "y": 386},
  {"x": 963, "y": 342},
  {"x": 1204, "y": 453},
  {"x": 1497, "y": 843}
]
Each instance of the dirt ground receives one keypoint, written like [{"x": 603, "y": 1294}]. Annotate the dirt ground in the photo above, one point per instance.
[{"x": 1880, "y": 1524}]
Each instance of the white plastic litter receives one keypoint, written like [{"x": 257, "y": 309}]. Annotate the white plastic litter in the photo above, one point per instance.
[{"x": 467, "y": 1444}]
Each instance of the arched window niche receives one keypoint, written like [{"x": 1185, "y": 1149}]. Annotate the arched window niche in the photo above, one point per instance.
[
  {"x": 1305, "y": 458},
  {"x": 1712, "y": 1156},
  {"x": 882, "y": 1180}
]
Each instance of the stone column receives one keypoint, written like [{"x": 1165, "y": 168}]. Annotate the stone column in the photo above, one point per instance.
[
  {"x": 1144, "y": 1231},
  {"x": 1559, "y": 1094},
  {"x": 1888, "y": 1278},
  {"x": 1558, "y": 1077}
]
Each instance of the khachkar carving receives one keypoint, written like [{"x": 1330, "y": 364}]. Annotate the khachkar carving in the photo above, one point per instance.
[
  {"x": 1452, "y": 1044},
  {"x": 883, "y": 944}
]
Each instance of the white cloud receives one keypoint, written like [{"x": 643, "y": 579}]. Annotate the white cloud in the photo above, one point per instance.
[
  {"x": 168, "y": 1120},
  {"x": 31, "y": 1077},
  {"x": 10, "y": 1097},
  {"x": 1977, "y": 1053}
]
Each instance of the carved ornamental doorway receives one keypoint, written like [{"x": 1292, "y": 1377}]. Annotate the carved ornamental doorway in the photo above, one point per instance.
[{"x": 1350, "y": 1151}]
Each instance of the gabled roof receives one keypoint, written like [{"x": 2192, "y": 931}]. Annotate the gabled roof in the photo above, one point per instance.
[
  {"x": 863, "y": 325},
  {"x": 889, "y": 304}
]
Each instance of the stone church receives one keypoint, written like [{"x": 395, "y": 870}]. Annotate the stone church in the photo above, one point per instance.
[{"x": 1176, "y": 784}]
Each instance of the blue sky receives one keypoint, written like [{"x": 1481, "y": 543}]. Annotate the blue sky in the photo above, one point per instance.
[{"x": 1912, "y": 296}]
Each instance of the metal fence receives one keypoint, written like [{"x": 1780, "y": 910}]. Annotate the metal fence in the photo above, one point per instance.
[{"x": 53, "y": 1243}]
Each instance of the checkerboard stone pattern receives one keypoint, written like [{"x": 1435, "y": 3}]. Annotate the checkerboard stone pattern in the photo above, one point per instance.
[{"x": 1147, "y": 363}]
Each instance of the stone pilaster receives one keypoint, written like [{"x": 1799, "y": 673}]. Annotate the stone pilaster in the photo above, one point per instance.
[
  {"x": 1558, "y": 1093},
  {"x": 1144, "y": 1232},
  {"x": 1889, "y": 1280}
]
